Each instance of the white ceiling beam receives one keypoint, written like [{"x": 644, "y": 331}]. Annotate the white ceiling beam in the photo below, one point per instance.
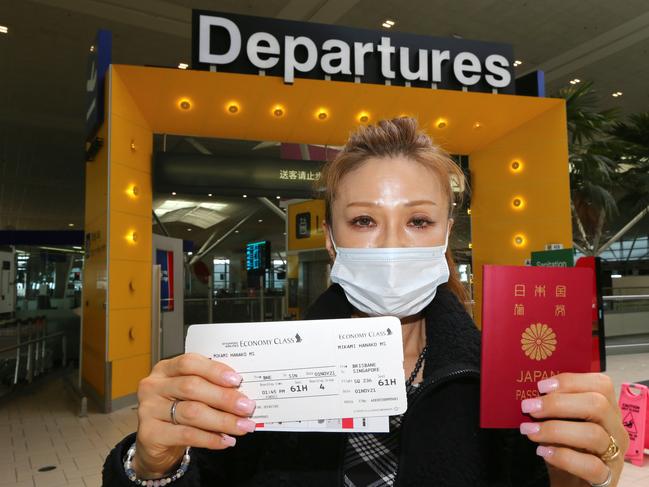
[{"x": 600, "y": 47}]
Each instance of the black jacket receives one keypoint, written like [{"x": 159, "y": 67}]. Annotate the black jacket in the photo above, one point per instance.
[{"x": 441, "y": 441}]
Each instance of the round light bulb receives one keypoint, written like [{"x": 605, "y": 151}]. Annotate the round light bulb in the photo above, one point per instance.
[{"x": 519, "y": 240}]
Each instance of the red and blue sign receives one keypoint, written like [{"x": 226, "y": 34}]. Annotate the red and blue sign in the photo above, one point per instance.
[{"x": 165, "y": 259}]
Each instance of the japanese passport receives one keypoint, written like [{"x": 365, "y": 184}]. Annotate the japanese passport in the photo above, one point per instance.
[{"x": 536, "y": 323}]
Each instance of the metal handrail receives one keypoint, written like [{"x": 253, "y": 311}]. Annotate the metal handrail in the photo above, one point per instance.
[
  {"x": 627, "y": 297},
  {"x": 230, "y": 298},
  {"x": 31, "y": 362},
  {"x": 33, "y": 340}
]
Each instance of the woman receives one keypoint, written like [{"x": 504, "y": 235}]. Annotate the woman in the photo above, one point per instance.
[{"x": 389, "y": 205}]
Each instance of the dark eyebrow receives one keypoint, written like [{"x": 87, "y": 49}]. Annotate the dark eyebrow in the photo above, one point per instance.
[
  {"x": 409, "y": 203},
  {"x": 362, "y": 203},
  {"x": 421, "y": 202}
]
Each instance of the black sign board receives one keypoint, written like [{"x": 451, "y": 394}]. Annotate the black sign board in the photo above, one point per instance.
[
  {"x": 289, "y": 49},
  {"x": 98, "y": 62},
  {"x": 303, "y": 225},
  {"x": 234, "y": 175}
]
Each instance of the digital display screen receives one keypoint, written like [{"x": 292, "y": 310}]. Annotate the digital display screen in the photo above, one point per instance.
[{"x": 258, "y": 256}]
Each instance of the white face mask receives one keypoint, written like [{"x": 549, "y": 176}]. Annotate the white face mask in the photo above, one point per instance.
[{"x": 390, "y": 281}]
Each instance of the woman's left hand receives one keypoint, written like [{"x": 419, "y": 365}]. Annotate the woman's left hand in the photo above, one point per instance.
[{"x": 577, "y": 414}]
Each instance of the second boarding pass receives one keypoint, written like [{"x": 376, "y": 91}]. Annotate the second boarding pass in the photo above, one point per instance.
[{"x": 313, "y": 370}]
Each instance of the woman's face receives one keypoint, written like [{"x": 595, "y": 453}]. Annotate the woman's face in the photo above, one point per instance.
[{"x": 389, "y": 202}]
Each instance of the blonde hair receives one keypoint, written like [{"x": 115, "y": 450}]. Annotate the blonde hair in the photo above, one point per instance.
[{"x": 398, "y": 137}]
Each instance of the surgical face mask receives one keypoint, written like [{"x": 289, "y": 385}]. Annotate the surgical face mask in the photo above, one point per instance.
[{"x": 390, "y": 281}]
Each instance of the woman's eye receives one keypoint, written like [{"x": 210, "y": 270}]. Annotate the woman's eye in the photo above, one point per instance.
[
  {"x": 420, "y": 222},
  {"x": 362, "y": 221}
]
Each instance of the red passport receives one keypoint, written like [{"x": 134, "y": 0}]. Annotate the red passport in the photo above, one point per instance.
[{"x": 536, "y": 323}]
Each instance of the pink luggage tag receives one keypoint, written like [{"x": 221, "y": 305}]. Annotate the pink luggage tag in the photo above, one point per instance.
[{"x": 634, "y": 405}]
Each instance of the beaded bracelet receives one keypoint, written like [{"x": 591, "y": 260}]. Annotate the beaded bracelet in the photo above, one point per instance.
[{"x": 132, "y": 476}]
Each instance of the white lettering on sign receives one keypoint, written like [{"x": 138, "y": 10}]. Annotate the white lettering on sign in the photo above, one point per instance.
[
  {"x": 299, "y": 175},
  {"x": 422, "y": 70},
  {"x": 291, "y": 63},
  {"x": 254, "y": 48},
  {"x": 497, "y": 66},
  {"x": 205, "y": 52},
  {"x": 300, "y": 54},
  {"x": 336, "y": 61},
  {"x": 386, "y": 51},
  {"x": 464, "y": 63},
  {"x": 437, "y": 58},
  {"x": 360, "y": 51}
]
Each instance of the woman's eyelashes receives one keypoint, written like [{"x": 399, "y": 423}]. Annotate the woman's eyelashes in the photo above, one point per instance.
[
  {"x": 366, "y": 221},
  {"x": 362, "y": 221},
  {"x": 421, "y": 222}
]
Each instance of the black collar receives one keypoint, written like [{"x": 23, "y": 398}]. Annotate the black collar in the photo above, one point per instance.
[{"x": 451, "y": 334}]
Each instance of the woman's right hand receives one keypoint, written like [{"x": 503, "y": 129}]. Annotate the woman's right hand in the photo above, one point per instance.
[{"x": 210, "y": 409}]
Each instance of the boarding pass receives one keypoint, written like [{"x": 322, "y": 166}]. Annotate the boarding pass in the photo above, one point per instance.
[{"x": 312, "y": 370}]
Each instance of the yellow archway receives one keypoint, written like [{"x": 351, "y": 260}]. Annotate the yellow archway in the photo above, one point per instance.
[{"x": 517, "y": 146}]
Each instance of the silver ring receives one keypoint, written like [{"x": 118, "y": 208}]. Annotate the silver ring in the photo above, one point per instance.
[
  {"x": 173, "y": 411},
  {"x": 607, "y": 482}
]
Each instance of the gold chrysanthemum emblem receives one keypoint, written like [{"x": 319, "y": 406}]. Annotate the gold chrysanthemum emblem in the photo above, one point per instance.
[{"x": 538, "y": 341}]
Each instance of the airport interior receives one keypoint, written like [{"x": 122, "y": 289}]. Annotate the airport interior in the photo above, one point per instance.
[{"x": 160, "y": 166}]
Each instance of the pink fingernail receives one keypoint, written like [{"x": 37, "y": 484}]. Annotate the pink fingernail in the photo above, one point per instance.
[
  {"x": 529, "y": 428},
  {"x": 548, "y": 385},
  {"x": 232, "y": 378},
  {"x": 246, "y": 425},
  {"x": 228, "y": 440},
  {"x": 544, "y": 451},
  {"x": 531, "y": 405},
  {"x": 245, "y": 405}
]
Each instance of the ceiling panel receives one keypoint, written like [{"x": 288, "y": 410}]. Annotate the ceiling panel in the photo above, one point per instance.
[{"x": 43, "y": 66}]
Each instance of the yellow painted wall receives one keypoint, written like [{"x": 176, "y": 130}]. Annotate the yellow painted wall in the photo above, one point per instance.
[
  {"x": 316, "y": 240},
  {"x": 541, "y": 146},
  {"x": 129, "y": 263},
  {"x": 492, "y": 129}
]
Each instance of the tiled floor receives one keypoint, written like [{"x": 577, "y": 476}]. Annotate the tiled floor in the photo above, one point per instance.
[{"x": 41, "y": 428}]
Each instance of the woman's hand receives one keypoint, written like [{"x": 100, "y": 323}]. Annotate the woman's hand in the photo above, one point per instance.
[
  {"x": 578, "y": 413},
  {"x": 210, "y": 409}
]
